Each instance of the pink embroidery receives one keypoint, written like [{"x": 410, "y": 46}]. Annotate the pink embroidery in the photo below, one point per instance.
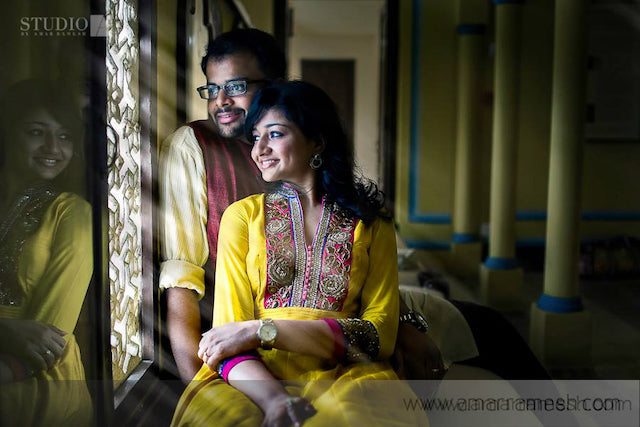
[
  {"x": 336, "y": 262},
  {"x": 299, "y": 276}
]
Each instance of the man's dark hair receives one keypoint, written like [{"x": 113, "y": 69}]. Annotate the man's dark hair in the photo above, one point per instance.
[{"x": 253, "y": 42}]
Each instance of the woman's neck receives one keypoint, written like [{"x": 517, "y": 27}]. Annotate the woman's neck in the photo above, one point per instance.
[{"x": 308, "y": 194}]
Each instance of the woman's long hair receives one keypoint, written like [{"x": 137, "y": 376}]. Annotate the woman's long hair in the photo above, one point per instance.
[{"x": 315, "y": 114}]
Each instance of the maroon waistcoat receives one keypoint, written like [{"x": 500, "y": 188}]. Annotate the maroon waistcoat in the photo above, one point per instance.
[{"x": 231, "y": 176}]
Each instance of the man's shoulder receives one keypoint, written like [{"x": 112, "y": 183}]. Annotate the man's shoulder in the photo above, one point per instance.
[{"x": 182, "y": 136}]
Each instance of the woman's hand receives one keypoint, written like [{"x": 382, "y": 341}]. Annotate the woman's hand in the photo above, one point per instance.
[
  {"x": 37, "y": 344},
  {"x": 287, "y": 411},
  {"x": 227, "y": 340}
]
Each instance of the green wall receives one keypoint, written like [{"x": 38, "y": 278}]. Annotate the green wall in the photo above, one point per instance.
[{"x": 426, "y": 110}]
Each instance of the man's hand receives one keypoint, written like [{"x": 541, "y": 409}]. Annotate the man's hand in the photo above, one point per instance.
[
  {"x": 227, "y": 340},
  {"x": 416, "y": 356},
  {"x": 37, "y": 344}
]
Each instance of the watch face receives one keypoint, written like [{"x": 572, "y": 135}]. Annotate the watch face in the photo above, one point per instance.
[{"x": 268, "y": 332}]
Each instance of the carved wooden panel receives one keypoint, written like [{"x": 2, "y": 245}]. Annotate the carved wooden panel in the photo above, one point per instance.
[{"x": 125, "y": 250}]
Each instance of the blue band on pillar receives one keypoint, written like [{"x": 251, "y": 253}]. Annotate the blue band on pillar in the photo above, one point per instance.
[
  {"x": 465, "y": 238},
  {"x": 495, "y": 263},
  {"x": 507, "y": 1},
  {"x": 553, "y": 304},
  {"x": 471, "y": 28}
]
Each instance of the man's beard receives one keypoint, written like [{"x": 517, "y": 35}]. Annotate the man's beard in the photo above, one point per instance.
[{"x": 230, "y": 130}]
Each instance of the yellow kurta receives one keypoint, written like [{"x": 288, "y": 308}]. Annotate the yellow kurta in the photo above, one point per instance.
[
  {"x": 245, "y": 291},
  {"x": 54, "y": 271}
]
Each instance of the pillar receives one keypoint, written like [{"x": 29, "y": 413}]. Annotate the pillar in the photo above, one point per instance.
[
  {"x": 466, "y": 246},
  {"x": 500, "y": 275},
  {"x": 560, "y": 331}
]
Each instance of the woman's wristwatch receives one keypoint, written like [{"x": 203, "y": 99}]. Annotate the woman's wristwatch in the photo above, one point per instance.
[
  {"x": 416, "y": 319},
  {"x": 267, "y": 333}
]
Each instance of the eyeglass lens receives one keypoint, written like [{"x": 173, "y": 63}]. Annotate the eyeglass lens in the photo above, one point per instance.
[{"x": 234, "y": 88}]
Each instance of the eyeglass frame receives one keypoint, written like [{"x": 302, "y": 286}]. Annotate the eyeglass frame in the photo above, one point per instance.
[{"x": 224, "y": 87}]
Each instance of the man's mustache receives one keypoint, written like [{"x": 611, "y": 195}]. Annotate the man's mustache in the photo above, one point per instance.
[{"x": 228, "y": 110}]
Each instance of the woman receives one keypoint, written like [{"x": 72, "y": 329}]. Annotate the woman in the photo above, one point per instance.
[
  {"x": 45, "y": 259},
  {"x": 306, "y": 284}
]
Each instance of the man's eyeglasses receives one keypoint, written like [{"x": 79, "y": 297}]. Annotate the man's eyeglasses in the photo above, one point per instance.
[{"x": 231, "y": 88}]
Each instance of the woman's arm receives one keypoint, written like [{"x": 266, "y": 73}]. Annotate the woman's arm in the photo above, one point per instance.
[
  {"x": 60, "y": 292},
  {"x": 310, "y": 337},
  {"x": 380, "y": 301},
  {"x": 253, "y": 379}
]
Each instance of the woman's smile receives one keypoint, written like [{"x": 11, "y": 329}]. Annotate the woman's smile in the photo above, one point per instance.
[
  {"x": 267, "y": 163},
  {"x": 281, "y": 151}
]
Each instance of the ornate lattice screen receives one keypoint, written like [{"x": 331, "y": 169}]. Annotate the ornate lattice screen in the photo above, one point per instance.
[{"x": 125, "y": 251}]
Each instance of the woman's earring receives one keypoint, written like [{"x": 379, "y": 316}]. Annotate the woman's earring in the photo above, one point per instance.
[{"x": 316, "y": 161}]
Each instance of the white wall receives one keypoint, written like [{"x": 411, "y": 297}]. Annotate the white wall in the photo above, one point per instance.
[
  {"x": 364, "y": 49},
  {"x": 345, "y": 29}
]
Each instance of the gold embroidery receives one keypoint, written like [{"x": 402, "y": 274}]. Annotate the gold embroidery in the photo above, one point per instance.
[
  {"x": 315, "y": 265},
  {"x": 336, "y": 263},
  {"x": 361, "y": 339},
  {"x": 315, "y": 277},
  {"x": 280, "y": 256}
]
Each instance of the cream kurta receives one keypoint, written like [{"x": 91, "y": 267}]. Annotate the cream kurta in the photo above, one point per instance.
[{"x": 183, "y": 204}]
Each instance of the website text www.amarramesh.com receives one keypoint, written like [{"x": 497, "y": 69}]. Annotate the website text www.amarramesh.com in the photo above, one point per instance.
[{"x": 567, "y": 403}]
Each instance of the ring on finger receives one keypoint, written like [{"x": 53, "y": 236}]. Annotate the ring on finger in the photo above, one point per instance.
[{"x": 48, "y": 352}]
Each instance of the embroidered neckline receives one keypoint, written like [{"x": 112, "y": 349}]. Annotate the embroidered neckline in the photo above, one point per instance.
[{"x": 315, "y": 276}]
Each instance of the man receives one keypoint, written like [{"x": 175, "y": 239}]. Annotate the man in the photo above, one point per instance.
[{"x": 204, "y": 167}]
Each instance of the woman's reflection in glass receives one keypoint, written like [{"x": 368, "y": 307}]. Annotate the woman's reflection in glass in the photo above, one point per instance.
[{"x": 45, "y": 257}]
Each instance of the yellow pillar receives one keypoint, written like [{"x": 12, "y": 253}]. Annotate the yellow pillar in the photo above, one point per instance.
[
  {"x": 500, "y": 276},
  {"x": 560, "y": 329},
  {"x": 466, "y": 246}
]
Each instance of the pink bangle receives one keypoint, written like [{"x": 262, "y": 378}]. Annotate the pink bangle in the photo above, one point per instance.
[
  {"x": 338, "y": 338},
  {"x": 230, "y": 363}
]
